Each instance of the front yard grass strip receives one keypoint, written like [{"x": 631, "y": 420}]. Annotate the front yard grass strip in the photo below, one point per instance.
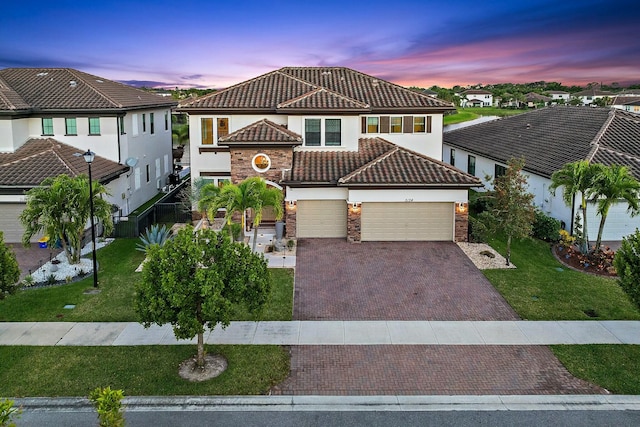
[
  {"x": 537, "y": 290},
  {"x": 615, "y": 367},
  {"x": 144, "y": 370},
  {"x": 117, "y": 263}
]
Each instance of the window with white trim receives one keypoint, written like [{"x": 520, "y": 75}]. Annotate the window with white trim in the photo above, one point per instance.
[{"x": 395, "y": 125}]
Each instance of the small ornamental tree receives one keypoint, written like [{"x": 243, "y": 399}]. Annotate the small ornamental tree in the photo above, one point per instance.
[
  {"x": 9, "y": 269},
  {"x": 59, "y": 208},
  {"x": 511, "y": 209},
  {"x": 627, "y": 264},
  {"x": 194, "y": 281}
]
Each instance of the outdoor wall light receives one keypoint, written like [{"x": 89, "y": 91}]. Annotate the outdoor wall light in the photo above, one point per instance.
[
  {"x": 291, "y": 204},
  {"x": 461, "y": 207},
  {"x": 355, "y": 205}
]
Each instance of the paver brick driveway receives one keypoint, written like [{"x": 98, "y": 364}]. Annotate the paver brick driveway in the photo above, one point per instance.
[{"x": 337, "y": 280}]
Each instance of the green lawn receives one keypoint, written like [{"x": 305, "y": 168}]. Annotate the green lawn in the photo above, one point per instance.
[
  {"x": 537, "y": 290},
  {"x": 144, "y": 370},
  {"x": 114, "y": 303},
  {"x": 466, "y": 114},
  {"x": 614, "y": 367}
]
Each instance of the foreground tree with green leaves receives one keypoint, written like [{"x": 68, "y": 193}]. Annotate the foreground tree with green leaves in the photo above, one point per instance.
[
  {"x": 577, "y": 178},
  {"x": 611, "y": 184},
  {"x": 194, "y": 281},
  {"x": 627, "y": 264},
  {"x": 510, "y": 208},
  {"x": 9, "y": 269},
  {"x": 59, "y": 208}
]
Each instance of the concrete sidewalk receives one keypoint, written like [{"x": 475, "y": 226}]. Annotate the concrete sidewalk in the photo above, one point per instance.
[{"x": 330, "y": 333}]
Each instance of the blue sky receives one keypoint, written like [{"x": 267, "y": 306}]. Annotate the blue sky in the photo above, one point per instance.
[{"x": 410, "y": 42}]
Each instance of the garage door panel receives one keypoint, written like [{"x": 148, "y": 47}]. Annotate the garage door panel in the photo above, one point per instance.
[
  {"x": 10, "y": 223},
  {"x": 618, "y": 224},
  {"x": 321, "y": 218},
  {"x": 407, "y": 221}
]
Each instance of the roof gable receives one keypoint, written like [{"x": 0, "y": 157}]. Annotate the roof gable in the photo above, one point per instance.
[
  {"x": 323, "y": 99},
  {"x": 264, "y": 132},
  {"x": 289, "y": 85}
]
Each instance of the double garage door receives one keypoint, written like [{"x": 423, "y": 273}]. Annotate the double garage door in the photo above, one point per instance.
[{"x": 379, "y": 221}]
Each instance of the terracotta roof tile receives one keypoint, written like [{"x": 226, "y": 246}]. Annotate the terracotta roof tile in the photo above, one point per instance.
[
  {"x": 56, "y": 89},
  {"x": 264, "y": 132},
  {"x": 323, "y": 99},
  {"x": 282, "y": 86},
  {"x": 41, "y": 158}
]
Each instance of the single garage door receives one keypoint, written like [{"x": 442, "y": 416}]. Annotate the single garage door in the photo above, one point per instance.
[
  {"x": 10, "y": 222},
  {"x": 407, "y": 221},
  {"x": 619, "y": 223},
  {"x": 321, "y": 218}
]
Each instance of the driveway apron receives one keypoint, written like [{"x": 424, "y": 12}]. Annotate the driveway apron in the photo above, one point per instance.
[{"x": 336, "y": 280}]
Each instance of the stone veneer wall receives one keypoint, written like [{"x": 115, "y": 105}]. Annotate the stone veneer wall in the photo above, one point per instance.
[
  {"x": 241, "y": 159},
  {"x": 462, "y": 225},
  {"x": 290, "y": 221},
  {"x": 353, "y": 224}
]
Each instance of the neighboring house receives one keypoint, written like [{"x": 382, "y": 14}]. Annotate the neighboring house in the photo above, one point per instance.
[
  {"x": 430, "y": 92},
  {"x": 627, "y": 103},
  {"x": 587, "y": 96},
  {"x": 48, "y": 115},
  {"x": 559, "y": 95},
  {"x": 535, "y": 100},
  {"x": 476, "y": 98},
  {"x": 357, "y": 157},
  {"x": 548, "y": 138}
]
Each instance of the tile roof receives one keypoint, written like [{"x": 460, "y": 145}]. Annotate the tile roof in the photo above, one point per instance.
[
  {"x": 343, "y": 88},
  {"x": 625, "y": 100},
  {"x": 263, "y": 132},
  {"x": 550, "y": 137},
  {"x": 61, "y": 89},
  {"x": 40, "y": 158},
  {"x": 532, "y": 97},
  {"x": 376, "y": 163}
]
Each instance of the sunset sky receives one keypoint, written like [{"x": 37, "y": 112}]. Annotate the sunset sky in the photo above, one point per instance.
[{"x": 410, "y": 42}]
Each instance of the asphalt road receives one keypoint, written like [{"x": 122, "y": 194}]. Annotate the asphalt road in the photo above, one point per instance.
[{"x": 341, "y": 418}]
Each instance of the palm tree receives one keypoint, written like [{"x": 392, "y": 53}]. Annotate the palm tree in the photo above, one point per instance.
[
  {"x": 576, "y": 177},
  {"x": 59, "y": 208},
  {"x": 265, "y": 197},
  {"x": 612, "y": 184},
  {"x": 239, "y": 198},
  {"x": 209, "y": 200}
]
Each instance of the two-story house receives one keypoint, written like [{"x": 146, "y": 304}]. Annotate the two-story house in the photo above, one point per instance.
[
  {"x": 49, "y": 115},
  {"x": 559, "y": 96},
  {"x": 587, "y": 96},
  {"x": 357, "y": 157},
  {"x": 476, "y": 98}
]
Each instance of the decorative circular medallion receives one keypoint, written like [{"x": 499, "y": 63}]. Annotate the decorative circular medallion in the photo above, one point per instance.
[{"x": 261, "y": 162}]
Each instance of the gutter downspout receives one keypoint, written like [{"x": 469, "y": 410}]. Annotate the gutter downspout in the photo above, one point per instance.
[{"x": 573, "y": 213}]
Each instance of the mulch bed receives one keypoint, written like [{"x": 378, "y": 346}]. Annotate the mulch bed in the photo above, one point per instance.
[{"x": 574, "y": 259}]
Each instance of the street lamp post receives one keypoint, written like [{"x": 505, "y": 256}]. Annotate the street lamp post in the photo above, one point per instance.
[{"x": 88, "y": 157}]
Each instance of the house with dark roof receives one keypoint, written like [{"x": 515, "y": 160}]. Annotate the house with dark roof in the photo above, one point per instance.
[
  {"x": 49, "y": 115},
  {"x": 547, "y": 139},
  {"x": 535, "y": 100},
  {"x": 559, "y": 96},
  {"x": 627, "y": 102},
  {"x": 357, "y": 157},
  {"x": 587, "y": 96},
  {"x": 476, "y": 98}
]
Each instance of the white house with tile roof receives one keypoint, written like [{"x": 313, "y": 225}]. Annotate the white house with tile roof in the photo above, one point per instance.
[
  {"x": 548, "y": 138},
  {"x": 476, "y": 98},
  {"x": 47, "y": 115},
  {"x": 357, "y": 157}
]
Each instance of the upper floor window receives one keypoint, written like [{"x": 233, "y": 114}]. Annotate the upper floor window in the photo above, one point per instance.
[
  {"x": 47, "y": 126},
  {"x": 144, "y": 122},
  {"x": 152, "y": 128},
  {"x": 70, "y": 125},
  {"x": 134, "y": 124},
  {"x": 223, "y": 126},
  {"x": 166, "y": 120},
  {"x": 312, "y": 132},
  {"x": 206, "y": 130},
  {"x": 419, "y": 124},
  {"x": 121, "y": 125},
  {"x": 332, "y": 132},
  {"x": 452, "y": 157},
  {"x": 373, "y": 124},
  {"x": 471, "y": 165},
  {"x": 499, "y": 171},
  {"x": 94, "y": 125},
  {"x": 396, "y": 124}
]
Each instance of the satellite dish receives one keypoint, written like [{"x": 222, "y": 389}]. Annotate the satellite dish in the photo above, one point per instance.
[{"x": 131, "y": 162}]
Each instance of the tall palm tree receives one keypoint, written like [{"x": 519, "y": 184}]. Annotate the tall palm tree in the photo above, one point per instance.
[
  {"x": 613, "y": 183},
  {"x": 209, "y": 201},
  {"x": 237, "y": 198},
  {"x": 576, "y": 178},
  {"x": 265, "y": 197}
]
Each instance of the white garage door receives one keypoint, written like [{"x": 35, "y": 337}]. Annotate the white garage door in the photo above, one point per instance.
[
  {"x": 407, "y": 221},
  {"x": 618, "y": 224},
  {"x": 321, "y": 218},
  {"x": 9, "y": 222}
]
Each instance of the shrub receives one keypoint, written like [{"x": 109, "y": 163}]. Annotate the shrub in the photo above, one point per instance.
[
  {"x": 627, "y": 264},
  {"x": 478, "y": 231},
  {"x": 108, "y": 403},
  {"x": 156, "y": 235},
  {"x": 546, "y": 228},
  {"x": 236, "y": 230},
  {"x": 8, "y": 413},
  {"x": 478, "y": 202},
  {"x": 566, "y": 239},
  {"x": 9, "y": 270}
]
